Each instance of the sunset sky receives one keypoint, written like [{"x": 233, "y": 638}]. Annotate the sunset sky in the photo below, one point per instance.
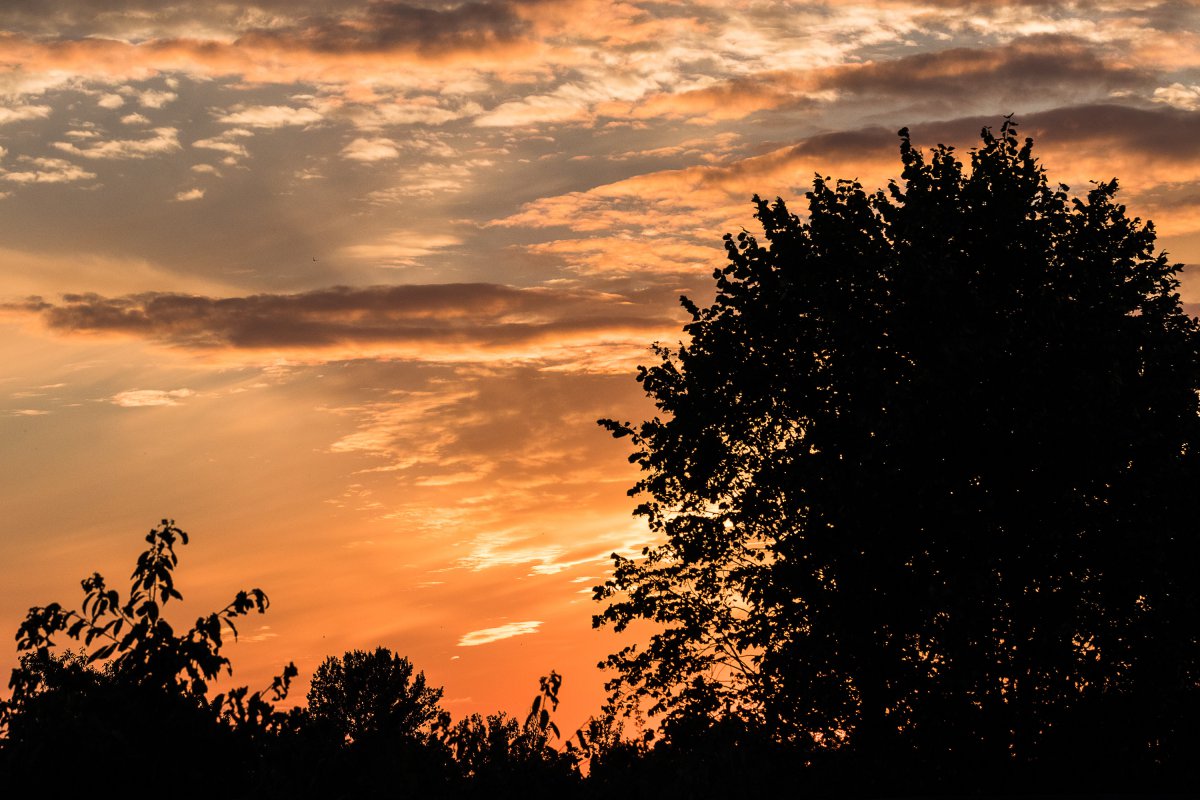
[{"x": 342, "y": 287}]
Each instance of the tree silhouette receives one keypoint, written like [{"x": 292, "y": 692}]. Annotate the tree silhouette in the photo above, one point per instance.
[
  {"x": 923, "y": 483},
  {"x": 370, "y": 724},
  {"x": 372, "y": 694}
]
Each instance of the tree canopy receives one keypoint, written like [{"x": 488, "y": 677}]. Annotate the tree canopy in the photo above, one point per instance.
[
  {"x": 922, "y": 479},
  {"x": 372, "y": 694}
]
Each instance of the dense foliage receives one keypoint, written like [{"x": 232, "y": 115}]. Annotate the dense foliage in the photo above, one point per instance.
[{"x": 924, "y": 480}]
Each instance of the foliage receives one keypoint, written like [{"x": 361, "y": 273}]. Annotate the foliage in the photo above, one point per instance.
[
  {"x": 921, "y": 480},
  {"x": 132, "y": 705},
  {"x": 499, "y": 755},
  {"x": 150, "y": 694},
  {"x": 372, "y": 694}
]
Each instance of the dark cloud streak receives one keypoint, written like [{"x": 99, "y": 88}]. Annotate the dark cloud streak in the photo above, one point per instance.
[
  {"x": 322, "y": 27},
  {"x": 458, "y": 314},
  {"x": 385, "y": 26}
]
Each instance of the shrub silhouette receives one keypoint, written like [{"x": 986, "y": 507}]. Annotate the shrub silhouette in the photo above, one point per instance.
[{"x": 145, "y": 714}]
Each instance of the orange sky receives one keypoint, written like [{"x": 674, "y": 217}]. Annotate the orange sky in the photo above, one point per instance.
[{"x": 343, "y": 287}]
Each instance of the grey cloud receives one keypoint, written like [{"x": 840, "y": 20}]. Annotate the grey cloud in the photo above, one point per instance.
[
  {"x": 323, "y": 25},
  {"x": 385, "y": 26},
  {"x": 1159, "y": 133},
  {"x": 1165, "y": 133},
  {"x": 470, "y": 313},
  {"x": 1062, "y": 63}
]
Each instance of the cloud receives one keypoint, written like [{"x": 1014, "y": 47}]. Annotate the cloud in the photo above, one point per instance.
[
  {"x": 497, "y": 550},
  {"x": 135, "y": 119},
  {"x": 399, "y": 248},
  {"x": 1056, "y": 62},
  {"x": 271, "y": 116},
  {"x": 535, "y": 110},
  {"x": 507, "y": 631},
  {"x": 379, "y": 149},
  {"x": 9, "y": 114},
  {"x": 1042, "y": 65},
  {"x": 164, "y": 140},
  {"x": 1145, "y": 147},
  {"x": 190, "y": 194},
  {"x": 1179, "y": 96},
  {"x": 144, "y": 398},
  {"x": 421, "y": 110},
  {"x": 155, "y": 99},
  {"x": 415, "y": 321},
  {"x": 46, "y": 170},
  {"x": 382, "y": 27},
  {"x": 222, "y": 145},
  {"x": 111, "y": 101}
]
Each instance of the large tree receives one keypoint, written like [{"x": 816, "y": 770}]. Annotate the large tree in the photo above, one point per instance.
[{"x": 924, "y": 478}]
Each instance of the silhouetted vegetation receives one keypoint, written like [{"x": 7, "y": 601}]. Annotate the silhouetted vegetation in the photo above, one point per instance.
[
  {"x": 923, "y": 484},
  {"x": 133, "y": 705},
  {"x": 146, "y": 713}
]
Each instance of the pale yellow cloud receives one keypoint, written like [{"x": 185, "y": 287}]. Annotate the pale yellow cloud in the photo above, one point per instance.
[
  {"x": 164, "y": 140},
  {"x": 145, "y": 398},
  {"x": 10, "y": 114},
  {"x": 222, "y": 144},
  {"x": 155, "y": 99},
  {"x": 46, "y": 170},
  {"x": 377, "y": 149},
  {"x": 271, "y": 116},
  {"x": 535, "y": 110},
  {"x": 506, "y": 631},
  {"x": 1178, "y": 95},
  {"x": 400, "y": 248}
]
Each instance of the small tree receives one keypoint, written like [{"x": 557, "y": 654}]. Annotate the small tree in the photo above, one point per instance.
[
  {"x": 923, "y": 480},
  {"x": 365, "y": 695}
]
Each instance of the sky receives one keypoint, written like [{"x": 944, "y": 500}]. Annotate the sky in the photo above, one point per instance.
[{"x": 343, "y": 287}]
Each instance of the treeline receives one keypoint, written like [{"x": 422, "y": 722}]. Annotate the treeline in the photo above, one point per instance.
[{"x": 131, "y": 708}]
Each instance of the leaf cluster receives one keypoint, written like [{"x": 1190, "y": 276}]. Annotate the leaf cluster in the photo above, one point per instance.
[{"x": 139, "y": 647}]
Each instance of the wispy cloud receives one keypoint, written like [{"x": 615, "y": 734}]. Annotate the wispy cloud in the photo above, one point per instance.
[
  {"x": 46, "y": 170},
  {"x": 144, "y": 398},
  {"x": 500, "y": 632}
]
